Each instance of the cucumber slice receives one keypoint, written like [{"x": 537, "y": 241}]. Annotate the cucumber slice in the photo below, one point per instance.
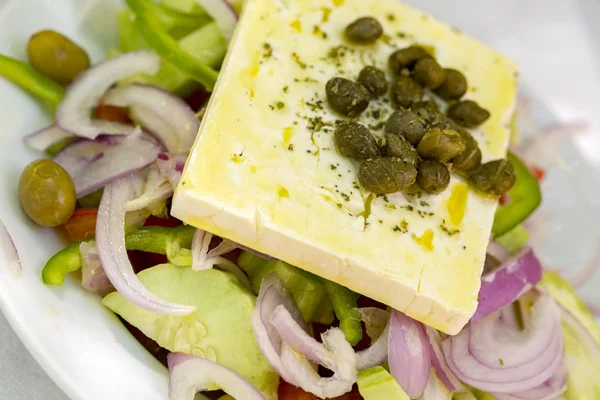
[{"x": 376, "y": 383}]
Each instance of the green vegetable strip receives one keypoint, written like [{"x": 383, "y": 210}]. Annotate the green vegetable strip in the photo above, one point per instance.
[
  {"x": 168, "y": 48},
  {"x": 151, "y": 239},
  {"x": 346, "y": 310},
  {"x": 28, "y": 78}
]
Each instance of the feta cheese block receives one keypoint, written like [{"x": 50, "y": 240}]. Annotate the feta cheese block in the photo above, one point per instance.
[{"x": 264, "y": 171}]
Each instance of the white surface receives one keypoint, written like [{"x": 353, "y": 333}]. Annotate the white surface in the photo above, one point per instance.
[{"x": 549, "y": 38}]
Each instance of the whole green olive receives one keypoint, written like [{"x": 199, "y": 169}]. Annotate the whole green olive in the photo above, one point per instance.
[
  {"x": 397, "y": 146},
  {"x": 470, "y": 158},
  {"x": 56, "y": 56},
  {"x": 454, "y": 87},
  {"x": 385, "y": 175},
  {"x": 355, "y": 141},
  {"x": 441, "y": 145},
  {"x": 373, "y": 79},
  {"x": 468, "y": 114},
  {"x": 406, "y": 123},
  {"x": 494, "y": 177},
  {"x": 346, "y": 97},
  {"x": 433, "y": 176},
  {"x": 428, "y": 73},
  {"x": 405, "y": 91},
  {"x": 364, "y": 30},
  {"x": 406, "y": 58},
  {"x": 47, "y": 193}
]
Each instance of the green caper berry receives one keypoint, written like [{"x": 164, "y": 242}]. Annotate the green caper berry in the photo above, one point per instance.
[
  {"x": 406, "y": 123},
  {"x": 405, "y": 92},
  {"x": 364, "y": 30},
  {"x": 373, "y": 79},
  {"x": 468, "y": 114},
  {"x": 406, "y": 58},
  {"x": 397, "y": 146},
  {"x": 494, "y": 177},
  {"x": 441, "y": 145},
  {"x": 470, "y": 158},
  {"x": 428, "y": 73},
  {"x": 432, "y": 176},
  {"x": 454, "y": 87},
  {"x": 346, "y": 97},
  {"x": 428, "y": 111},
  {"x": 355, "y": 141},
  {"x": 385, "y": 175}
]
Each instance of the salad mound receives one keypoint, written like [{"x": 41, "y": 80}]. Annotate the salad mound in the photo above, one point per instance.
[{"x": 242, "y": 324}]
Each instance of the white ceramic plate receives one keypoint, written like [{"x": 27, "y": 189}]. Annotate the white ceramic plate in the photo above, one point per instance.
[{"x": 81, "y": 345}]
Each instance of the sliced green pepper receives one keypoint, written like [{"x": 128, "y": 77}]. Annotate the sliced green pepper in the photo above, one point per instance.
[
  {"x": 346, "y": 310},
  {"x": 28, "y": 78},
  {"x": 176, "y": 22},
  {"x": 151, "y": 239},
  {"x": 524, "y": 197}
]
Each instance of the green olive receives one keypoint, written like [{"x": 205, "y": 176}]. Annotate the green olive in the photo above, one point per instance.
[
  {"x": 494, "y": 177},
  {"x": 428, "y": 73},
  {"x": 441, "y": 145},
  {"x": 470, "y": 158},
  {"x": 406, "y": 123},
  {"x": 406, "y": 58},
  {"x": 373, "y": 79},
  {"x": 47, "y": 193},
  {"x": 397, "y": 146},
  {"x": 385, "y": 175},
  {"x": 355, "y": 141},
  {"x": 454, "y": 87},
  {"x": 433, "y": 176},
  {"x": 346, "y": 97},
  {"x": 405, "y": 92},
  {"x": 364, "y": 30},
  {"x": 468, "y": 114},
  {"x": 56, "y": 56}
]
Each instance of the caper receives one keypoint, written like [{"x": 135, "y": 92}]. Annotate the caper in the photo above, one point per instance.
[
  {"x": 406, "y": 123},
  {"x": 346, "y": 97},
  {"x": 429, "y": 73},
  {"x": 441, "y": 145},
  {"x": 373, "y": 79},
  {"x": 468, "y": 114},
  {"x": 432, "y": 176},
  {"x": 454, "y": 87},
  {"x": 47, "y": 193},
  {"x": 397, "y": 146},
  {"x": 386, "y": 175},
  {"x": 406, "y": 91},
  {"x": 406, "y": 58},
  {"x": 56, "y": 56},
  {"x": 428, "y": 111},
  {"x": 470, "y": 158},
  {"x": 356, "y": 141},
  {"x": 494, "y": 177},
  {"x": 364, "y": 30}
]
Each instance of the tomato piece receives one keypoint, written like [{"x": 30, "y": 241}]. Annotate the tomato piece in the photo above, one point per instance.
[
  {"x": 538, "y": 172},
  {"x": 197, "y": 99},
  {"x": 170, "y": 222},
  {"x": 112, "y": 113},
  {"x": 82, "y": 223}
]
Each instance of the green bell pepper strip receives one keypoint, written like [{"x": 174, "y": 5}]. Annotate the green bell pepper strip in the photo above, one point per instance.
[
  {"x": 177, "y": 23},
  {"x": 150, "y": 239},
  {"x": 165, "y": 46},
  {"x": 28, "y": 78},
  {"x": 346, "y": 310},
  {"x": 523, "y": 198}
]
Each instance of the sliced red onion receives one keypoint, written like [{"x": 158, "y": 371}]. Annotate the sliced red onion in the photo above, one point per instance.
[
  {"x": 74, "y": 113},
  {"x": 202, "y": 257},
  {"x": 224, "y": 15},
  {"x": 110, "y": 241},
  {"x": 409, "y": 354},
  {"x": 189, "y": 374},
  {"x": 504, "y": 285},
  {"x": 377, "y": 353},
  {"x": 12, "y": 254},
  {"x": 229, "y": 266},
  {"x": 493, "y": 356},
  {"x": 436, "y": 389},
  {"x": 439, "y": 363},
  {"x": 93, "y": 277},
  {"x": 167, "y": 116},
  {"x": 46, "y": 137},
  {"x": 171, "y": 166},
  {"x": 549, "y": 390},
  {"x": 77, "y": 156},
  {"x": 156, "y": 189}
]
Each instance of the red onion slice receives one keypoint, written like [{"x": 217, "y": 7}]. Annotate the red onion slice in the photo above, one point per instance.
[
  {"x": 549, "y": 390},
  {"x": 171, "y": 166},
  {"x": 376, "y": 354},
  {"x": 12, "y": 254},
  {"x": 167, "y": 116},
  {"x": 189, "y": 374},
  {"x": 439, "y": 363},
  {"x": 77, "y": 156},
  {"x": 74, "y": 113},
  {"x": 504, "y": 285},
  {"x": 156, "y": 189},
  {"x": 409, "y": 354},
  {"x": 93, "y": 277},
  {"x": 202, "y": 257},
  {"x": 110, "y": 241},
  {"x": 46, "y": 137},
  {"x": 224, "y": 15}
]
